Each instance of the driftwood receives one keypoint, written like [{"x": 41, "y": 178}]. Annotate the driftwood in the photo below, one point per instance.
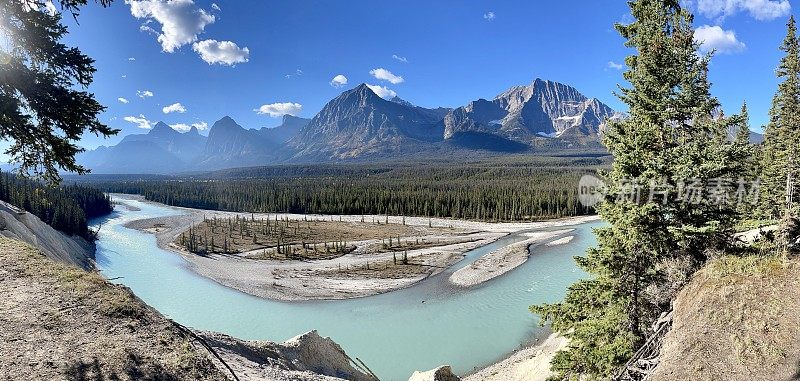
[
  {"x": 645, "y": 360},
  {"x": 361, "y": 366},
  {"x": 205, "y": 344},
  {"x": 369, "y": 371}
]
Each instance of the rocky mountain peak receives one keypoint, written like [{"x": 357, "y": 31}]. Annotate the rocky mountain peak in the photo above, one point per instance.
[
  {"x": 162, "y": 129},
  {"x": 401, "y": 101},
  {"x": 542, "y": 109}
]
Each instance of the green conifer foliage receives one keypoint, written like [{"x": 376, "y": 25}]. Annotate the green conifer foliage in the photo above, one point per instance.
[
  {"x": 779, "y": 156},
  {"x": 674, "y": 142}
]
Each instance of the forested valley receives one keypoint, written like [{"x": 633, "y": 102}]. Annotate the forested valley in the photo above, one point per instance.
[{"x": 490, "y": 191}]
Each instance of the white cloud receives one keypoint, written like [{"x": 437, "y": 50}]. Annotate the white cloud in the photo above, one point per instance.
[
  {"x": 146, "y": 28},
  {"x": 181, "y": 21},
  {"x": 382, "y": 91},
  {"x": 122, "y": 100},
  {"x": 386, "y": 75},
  {"x": 715, "y": 38},
  {"x": 131, "y": 59},
  {"x": 175, "y": 107},
  {"x": 215, "y": 7},
  {"x": 124, "y": 76},
  {"x": 279, "y": 109},
  {"x": 339, "y": 81},
  {"x": 399, "y": 58},
  {"x": 221, "y": 52},
  {"x": 489, "y": 16},
  {"x": 140, "y": 121},
  {"x": 614, "y": 65},
  {"x": 183, "y": 127},
  {"x": 758, "y": 9},
  {"x": 200, "y": 125},
  {"x": 144, "y": 93}
]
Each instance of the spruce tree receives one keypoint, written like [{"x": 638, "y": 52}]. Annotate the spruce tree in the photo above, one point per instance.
[
  {"x": 779, "y": 158},
  {"x": 45, "y": 108},
  {"x": 672, "y": 143},
  {"x": 748, "y": 153},
  {"x": 742, "y": 136}
]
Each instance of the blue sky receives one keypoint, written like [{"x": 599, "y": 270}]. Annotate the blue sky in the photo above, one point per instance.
[{"x": 447, "y": 53}]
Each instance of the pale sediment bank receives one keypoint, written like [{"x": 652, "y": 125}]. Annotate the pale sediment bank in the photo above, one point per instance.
[
  {"x": 561, "y": 241},
  {"x": 341, "y": 278},
  {"x": 363, "y": 272},
  {"x": 529, "y": 364},
  {"x": 502, "y": 260}
]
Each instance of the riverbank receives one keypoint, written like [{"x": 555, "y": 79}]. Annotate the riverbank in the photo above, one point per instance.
[
  {"x": 505, "y": 259},
  {"x": 366, "y": 270},
  {"x": 531, "y": 363}
]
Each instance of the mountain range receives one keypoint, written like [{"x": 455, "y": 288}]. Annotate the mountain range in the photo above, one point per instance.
[{"x": 360, "y": 125}]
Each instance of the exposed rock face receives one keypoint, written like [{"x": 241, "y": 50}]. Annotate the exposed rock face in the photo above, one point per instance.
[
  {"x": 23, "y": 226},
  {"x": 231, "y": 145},
  {"x": 228, "y": 142},
  {"x": 290, "y": 127},
  {"x": 442, "y": 373},
  {"x": 522, "y": 113},
  {"x": 359, "y": 123},
  {"x": 305, "y": 357}
]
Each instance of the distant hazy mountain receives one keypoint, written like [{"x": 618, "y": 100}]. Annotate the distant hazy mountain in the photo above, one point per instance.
[
  {"x": 290, "y": 127},
  {"x": 755, "y": 137},
  {"x": 358, "y": 123},
  {"x": 161, "y": 150},
  {"x": 231, "y": 145},
  {"x": 523, "y": 114},
  {"x": 185, "y": 146}
]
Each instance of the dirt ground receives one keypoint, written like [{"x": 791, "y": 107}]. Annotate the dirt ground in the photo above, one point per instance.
[
  {"x": 738, "y": 319},
  {"x": 63, "y": 323}
]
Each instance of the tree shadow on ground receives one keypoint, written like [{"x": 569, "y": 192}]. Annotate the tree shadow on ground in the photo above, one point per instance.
[{"x": 134, "y": 367}]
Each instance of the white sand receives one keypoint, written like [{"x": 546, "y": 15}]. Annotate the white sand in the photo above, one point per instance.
[
  {"x": 529, "y": 364},
  {"x": 561, "y": 241},
  {"x": 501, "y": 261}
]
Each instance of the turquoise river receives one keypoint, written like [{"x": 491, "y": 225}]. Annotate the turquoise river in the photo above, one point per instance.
[{"x": 418, "y": 328}]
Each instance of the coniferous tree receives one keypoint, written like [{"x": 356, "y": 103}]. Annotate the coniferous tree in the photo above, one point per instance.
[
  {"x": 749, "y": 165},
  {"x": 45, "y": 110},
  {"x": 779, "y": 156},
  {"x": 672, "y": 143}
]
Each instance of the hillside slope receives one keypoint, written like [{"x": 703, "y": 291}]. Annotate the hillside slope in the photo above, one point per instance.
[
  {"x": 738, "y": 319},
  {"x": 62, "y": 323},
  {"x": 18, "y": 224}
]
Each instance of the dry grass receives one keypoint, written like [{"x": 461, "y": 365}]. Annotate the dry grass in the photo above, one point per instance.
[
  {"x": 286, "y": 239},
  {"x": 62, "y": 323},
  {"x": 420, "y": 265},
  {"x": 738, "y": 319}
]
